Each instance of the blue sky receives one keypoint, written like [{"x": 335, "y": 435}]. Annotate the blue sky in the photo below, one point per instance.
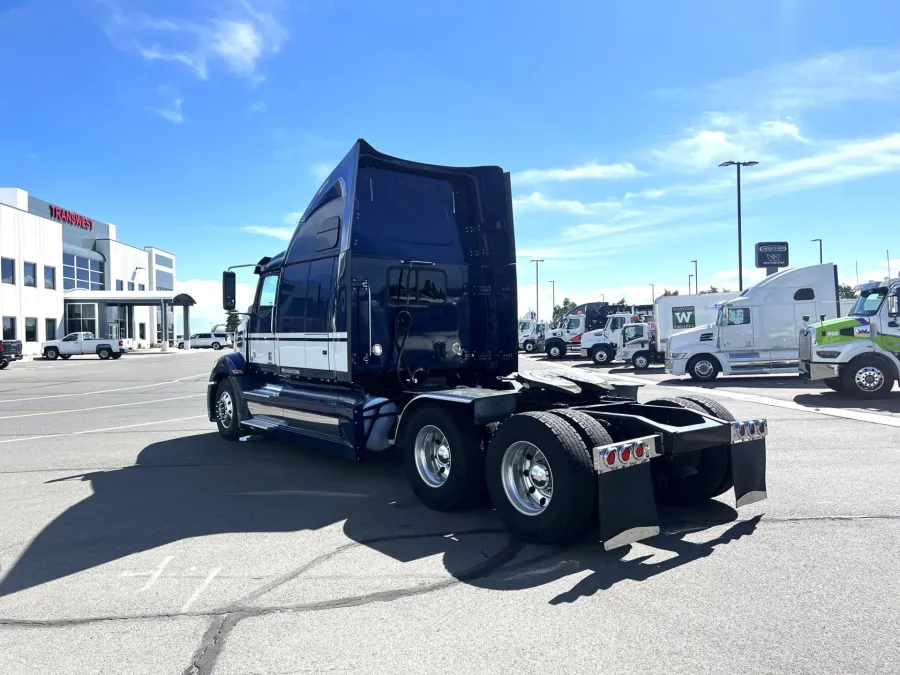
[{"x": 203, "y": 127}]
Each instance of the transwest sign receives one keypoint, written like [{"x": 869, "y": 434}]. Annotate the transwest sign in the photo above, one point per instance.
[
  {"x": 71, "y": 218},
  {"x": 772, "y": 254},
  {"x": 683, "y": 317}
]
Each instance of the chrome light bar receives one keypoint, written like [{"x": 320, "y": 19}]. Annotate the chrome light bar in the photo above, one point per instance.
[
  {"x": 626, "y": 453},
  {"x": 749, "y": 430}
]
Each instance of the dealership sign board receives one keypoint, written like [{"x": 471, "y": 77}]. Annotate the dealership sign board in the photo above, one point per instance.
[
  {"x": 772, "y": 254},
  {"x": 683, "y": 317}
]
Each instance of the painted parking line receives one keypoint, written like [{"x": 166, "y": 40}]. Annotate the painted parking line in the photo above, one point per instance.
[
  {"x": 100, "y": 391},
  {"x": 98, "y": 407},
  {"x": 97, "y": 431},
  {"x": 856, "y": 415}
]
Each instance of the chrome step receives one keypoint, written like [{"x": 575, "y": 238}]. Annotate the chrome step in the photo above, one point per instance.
[{"x": 263, "y": 422}]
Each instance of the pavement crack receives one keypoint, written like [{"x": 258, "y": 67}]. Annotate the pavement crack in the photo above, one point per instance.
[{"x": 205, "y": 657}]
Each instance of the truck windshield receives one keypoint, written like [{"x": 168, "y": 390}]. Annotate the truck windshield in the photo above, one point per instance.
[
  {"x": 869, "y": 302},
  {"x": 524, "y": 325}
]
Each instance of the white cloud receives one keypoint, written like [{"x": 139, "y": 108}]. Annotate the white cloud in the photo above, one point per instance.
[
  {"x": 258, "y": 107},
  {"x": 283, "y": 233},
  {"x": 208, "y": 295},
  {"x": 536, "y": 201},
  {"x": 589, "y": 171},
  {"x": 238, "y": 37},
  {"x": 321, "y": 170},
  {"x": 172, "y": 113},
  {"x": 292, "y": 218}
]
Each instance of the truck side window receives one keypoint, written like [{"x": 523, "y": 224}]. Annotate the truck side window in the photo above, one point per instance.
[
  {"x": 262, "y": 320},
  {"x": 328, "y": 235},
  {"x": 318, "y": 295},
  {"x": 71, "y": 338},
  {"x": 633, "y": 333},
  {"x": 414, "y": 218},
  {"x": 739, "y": 316},
  {"x": 573, "y": 323},
  {"x": 805, "y": 294},
  {"x": 292, "y": 299}
]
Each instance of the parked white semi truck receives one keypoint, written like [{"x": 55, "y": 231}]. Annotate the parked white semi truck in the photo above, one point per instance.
[
  {"x": 858, "y": 354},
  {"x": 757, "y": 332}
]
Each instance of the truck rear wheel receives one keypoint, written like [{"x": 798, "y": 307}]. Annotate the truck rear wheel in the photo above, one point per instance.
[
  {"x": 540, "y": 478},
  {"x": 703, "y": 368},
  {"x": 443, "y": 454},
  {"x": 867, "y": 377},
  {"x": 556, "y": 349},
  {"x": 601, "y": 355},
  {"x": 227, "y": 411},
  {"x": 3, "y": 364},
  {"x": 693, "y": 477},
  {"x": 104, "y": 352}
]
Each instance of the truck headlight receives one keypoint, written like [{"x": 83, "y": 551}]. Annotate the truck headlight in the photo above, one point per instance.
[
  {"x": 678, "y": 355},
  {"x": 828, "y": 354}
]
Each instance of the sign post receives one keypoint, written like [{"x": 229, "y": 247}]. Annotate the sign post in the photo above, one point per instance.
[{"x": 772, "y": 255}]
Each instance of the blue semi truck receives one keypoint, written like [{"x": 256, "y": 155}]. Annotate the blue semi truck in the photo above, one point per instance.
[{"x": 389, "y": 322}]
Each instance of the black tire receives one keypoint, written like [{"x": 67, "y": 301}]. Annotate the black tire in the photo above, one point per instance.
[
  {"x": 528, "y": 346},
  {"x": 591, "y": 431},
  {"x": 641, "y": 361},
  {"x": 853, "y": 385},
  {"x": 104, "y": 352},
  {"x": 66, "y": 357},
  {"x": 180, "y": 345},
  {"x": 216, "y": 346},
  {"x": 556, "y": 349},
  {"x": 601, "y": 356},
  {"x": 698, "y": 366},
  {"x": 3, "y": 364},
  {"x": 229, "y": 427},
  {"x": 464, "y": 484},
  {"x": 716, "y": 409},
  {"x": 692, "y": 477},
  {"x": 574, "y": 496},
  {"x": 834, "y": 383},
  {"x": 116, "y": 355},
  {"x": 51, "y": 353}
]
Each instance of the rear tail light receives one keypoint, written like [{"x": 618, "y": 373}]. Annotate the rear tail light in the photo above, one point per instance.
[
  {"x": 625, "y": 454},
  {"x": 639, "y": 450},
  {"x": 121, "y": 343},
  {"x": 617, "y": 456},
  {"x": 761, "y": 427},
  {"x": 610, "y": 456}
]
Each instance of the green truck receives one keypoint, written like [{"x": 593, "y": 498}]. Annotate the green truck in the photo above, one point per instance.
[{"x": 858, "y": 354}]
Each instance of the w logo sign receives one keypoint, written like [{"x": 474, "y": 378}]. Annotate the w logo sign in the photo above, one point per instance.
[
  {"x": 683, "y": 317},
  {"x": 773, "y": 257}
]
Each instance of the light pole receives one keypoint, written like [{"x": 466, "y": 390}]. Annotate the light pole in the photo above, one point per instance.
[
  {"x": 696, "y": 278},
  {"x": 652, "y": 294},
  {"x": 537, "y": 291},
  {"x": 857, "y": 272},
  {"x": 731, "y": 162},
  {"x": 690, "y": 276},
  {"x": 553, "y": 301},
  {"x": 603, "y": 297},
  {"x": 889, "y": 264},
  {"x": 820, "y": 248}
]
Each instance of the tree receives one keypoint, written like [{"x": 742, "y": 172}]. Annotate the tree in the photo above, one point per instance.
[
  {"x": 561, "y": 310},
  {"x": 231, "y": 323},
  {"x": 668, "y": 292},
  {"x": 712, "y": 289},
  {"x": 846, "y": 292},
  {"x": 623, "y": 301}
]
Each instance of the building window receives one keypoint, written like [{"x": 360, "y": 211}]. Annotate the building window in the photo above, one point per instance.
[
  {"x": 119, "y": 285},
  {"x": 81, "y": 318},
  {"x": 49, "y": 277},
  {"x": 9, "y": 328},
  {"x": 8, "y": 266},
  {"x": 142, "y": 331},
  {"x": 81, "y": 272},
  {"x": 30, "y": 273},
  {"x": 165, "y": 281},
  {"x": 164, "y": 261},
  {"x": 141, "y": 287},
  {"x": 130, "y": 285},
  {"x": 31, "y": 329},
  {"x": 49, "y": 329}
]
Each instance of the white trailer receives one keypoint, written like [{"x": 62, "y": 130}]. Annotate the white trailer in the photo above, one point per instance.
[
  {"x": 757, "y": 332},
  {"x": 676, "y": 313}
]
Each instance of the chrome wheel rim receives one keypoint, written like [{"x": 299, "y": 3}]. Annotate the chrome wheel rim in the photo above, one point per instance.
[
  {"x": 529, "y": 347},
  {"x": 600, "y": 356},
  {"x": 869, "y": 378},
  {"x": 225, "y": 408},
  {"x": 433, "y": 458},
  {"x": 703, "y": 368},
  {"x": 554, "y": 351},
  {"x": 527, "y": 478},
  {"x": 641, "y": 362}
]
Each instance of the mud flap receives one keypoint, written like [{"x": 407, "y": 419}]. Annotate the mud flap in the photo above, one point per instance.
[
  {"x": 748, "y": 470},
  {"x": 627, "y": 506}
]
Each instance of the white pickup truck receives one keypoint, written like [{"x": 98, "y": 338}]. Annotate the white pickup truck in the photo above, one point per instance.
[{"x": 85, "y": 343}]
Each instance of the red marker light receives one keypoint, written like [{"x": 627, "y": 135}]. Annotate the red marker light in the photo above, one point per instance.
[
  {"x": 610, "y": 457},
  {"x": 626, "y": 453},
  {"x": 639, "y": 450}
]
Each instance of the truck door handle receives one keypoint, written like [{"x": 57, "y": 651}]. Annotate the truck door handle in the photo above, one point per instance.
[{"x": 324, "y": 352}]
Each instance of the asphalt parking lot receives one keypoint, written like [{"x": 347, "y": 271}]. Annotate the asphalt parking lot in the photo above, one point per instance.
[{"x": 133, "y": 539}]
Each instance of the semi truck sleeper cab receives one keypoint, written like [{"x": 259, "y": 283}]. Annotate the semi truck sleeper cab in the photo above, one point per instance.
[{"x": 390, "y": 321}]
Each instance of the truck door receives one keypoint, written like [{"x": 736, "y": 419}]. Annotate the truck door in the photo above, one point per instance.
[
  {"x": 889, "y": 331},
  {"x": 319, "y": 292},
  {"x": 290, "y": 322},
  {"x": 573, "y": 328},
  {"x": 263, "y": 351},
  {"x": 70, "y": 344},
  {"x": 737, "y": 331}
]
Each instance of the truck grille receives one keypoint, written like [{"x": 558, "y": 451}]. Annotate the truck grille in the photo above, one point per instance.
[{"x": 805, "y": 345}]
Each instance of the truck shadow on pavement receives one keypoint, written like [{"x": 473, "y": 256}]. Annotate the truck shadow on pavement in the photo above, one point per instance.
[
  {"x": 833, "y": 399},
  {"x": 203, "y": 485}
]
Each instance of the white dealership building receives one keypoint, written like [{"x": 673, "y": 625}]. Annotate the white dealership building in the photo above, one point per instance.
[{"x": 64, "y": 272}]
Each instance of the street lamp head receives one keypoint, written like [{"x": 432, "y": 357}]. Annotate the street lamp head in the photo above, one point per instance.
[
  {"x": 533, "y": 260},
  {"x": 815, "y": 240},
  {"x": 728, "y": 163},
  {"x": 749, "y": 163}
]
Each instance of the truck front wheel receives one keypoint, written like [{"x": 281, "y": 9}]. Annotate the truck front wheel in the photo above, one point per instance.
[
  {"x": 528, "y": 346},
  {"x": 51, "y": 353},
  {"x": 540, "y": 478},
  {"x": 703, "y": 368},
  {"x": 601, "y": 355},
  {"x": 227, "y": 418},
  {"x": 641, "y": 361},
  {"x": 556, "y": 349},
  {"x": 867, "y": 377},
  {"x": 443, "y": 454}
]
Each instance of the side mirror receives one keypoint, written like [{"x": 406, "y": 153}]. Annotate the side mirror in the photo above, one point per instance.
[
  {"x": 822, "y": 317},
  {"x": 806, "y": 318},
  {"x": 229, "y": 291},
  {"x": 893, "y": 306}
]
